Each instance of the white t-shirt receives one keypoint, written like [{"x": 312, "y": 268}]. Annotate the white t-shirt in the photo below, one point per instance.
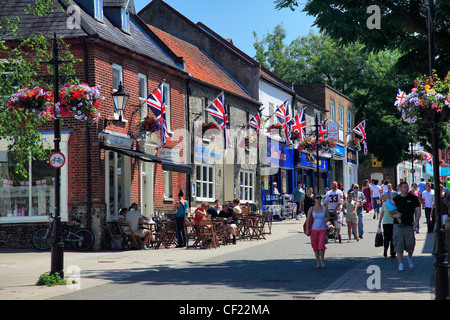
[
  {"x": 333, "y": 198},
  {"x": 385, "y": 188},
  {"x": 428, "y": 197},
  {"x": 133, "y": 219},
  {"x": 376, "y": 191}
]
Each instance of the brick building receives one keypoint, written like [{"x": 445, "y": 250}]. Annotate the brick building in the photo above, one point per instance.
[{"x": 104, "y": 171}]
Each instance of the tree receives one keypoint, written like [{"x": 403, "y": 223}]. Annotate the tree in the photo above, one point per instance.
[
  {"x": 19, "y": 68},
  {"x": 366, "y": 77}
]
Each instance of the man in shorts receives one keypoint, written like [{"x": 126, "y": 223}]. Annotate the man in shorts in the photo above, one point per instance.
[
  {"x": 334, "y": 200},
  {"x": 403, "y": 235}
]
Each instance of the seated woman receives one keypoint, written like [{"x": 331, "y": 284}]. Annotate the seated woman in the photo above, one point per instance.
[
  {"x": 201, "y": 212},
  {"x": 229, "y": 214}
]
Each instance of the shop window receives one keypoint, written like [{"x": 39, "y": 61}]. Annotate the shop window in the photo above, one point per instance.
[
  {"x": 168, "y": 185},
  {"x": 247, "y": 183},
  {"x": 205, "y": 183}
]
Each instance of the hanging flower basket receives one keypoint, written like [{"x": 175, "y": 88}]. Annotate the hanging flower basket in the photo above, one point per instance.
[
  {"x": 30, "y": 104},
  {"x": 354, "y": 144},
  {"x": 311, "y": 145},
  {"x": 295, "y": 135},
  {"x": 83, "y": 101},
  {"x": 428, "y": 101},
  {"x": 147, "y": 125},
  {"x": 276, "y": 128}
]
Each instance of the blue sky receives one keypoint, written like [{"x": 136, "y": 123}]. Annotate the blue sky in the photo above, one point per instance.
[{"x": 237, "y": 19}]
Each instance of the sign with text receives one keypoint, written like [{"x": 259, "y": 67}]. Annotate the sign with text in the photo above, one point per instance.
[{"x": 333, "y": 131}]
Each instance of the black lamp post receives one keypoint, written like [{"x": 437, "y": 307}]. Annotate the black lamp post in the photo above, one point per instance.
[{"x": 440, "y": 265}]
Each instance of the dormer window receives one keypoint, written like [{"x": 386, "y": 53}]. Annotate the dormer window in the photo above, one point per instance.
[
  {"x": 98, "y": 9},
  {"x": 125, "y": 20}
]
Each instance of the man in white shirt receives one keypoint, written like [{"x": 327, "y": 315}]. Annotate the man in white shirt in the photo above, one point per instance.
[
  {"x": 376, "y": 197},
  {"x": 134, "y": 218},
  {"x": 334, "y": 200},
  {"x": 427, "y": 203}
]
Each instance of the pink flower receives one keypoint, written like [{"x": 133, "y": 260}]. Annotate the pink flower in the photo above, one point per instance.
[{"x": 414, "y": 89}]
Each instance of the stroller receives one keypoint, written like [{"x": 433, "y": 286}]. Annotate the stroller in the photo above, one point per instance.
[{"x": 331, "y": 229}]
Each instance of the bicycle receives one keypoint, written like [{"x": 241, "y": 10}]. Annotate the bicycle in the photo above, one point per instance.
[{"x": 81, "y": 240}]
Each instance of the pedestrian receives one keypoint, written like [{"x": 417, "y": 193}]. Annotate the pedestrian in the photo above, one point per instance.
[
  {"x": 297, "y": 195},
  {"x": 416, "y": 193},
  {"x": 334, "y": 203},
  {"x": 351, "y": 218},
  {"x": 445, "y": 203},
  {"x": 318, "y": 229},
  {"x": 404, "y": 239},
  {"x": 360, "y": 198},
  {"x": 180, "y": 210},
  {"x": 367, "y": 190},
  {"x": 428, "y": 202},
  {"x": 388, "y": 225},
  {"x": 344, "y": 213},
  {"x": 376, "y": 198},
  {"x": 422, "y": 186},
  {"x": 308, "y": 200},
  {"x": 384, "y": 187}
]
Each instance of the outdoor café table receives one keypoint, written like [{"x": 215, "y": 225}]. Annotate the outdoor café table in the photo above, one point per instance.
[{"x": 164, "y": 233}]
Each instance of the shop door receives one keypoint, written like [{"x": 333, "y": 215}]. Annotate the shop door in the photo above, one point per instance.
[{"x": 147, "y": 189}]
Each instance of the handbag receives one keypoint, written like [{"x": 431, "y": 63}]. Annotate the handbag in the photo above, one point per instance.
[
  {"x": 310, "y": 224},
  {"x": 379, "y": 238}
]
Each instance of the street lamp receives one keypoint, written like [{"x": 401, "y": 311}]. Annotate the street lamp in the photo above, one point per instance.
[
  {"x": 120, "y": 98},
  {"x": 440, "y": 265}
]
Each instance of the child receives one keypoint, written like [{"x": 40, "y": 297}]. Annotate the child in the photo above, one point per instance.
[
  {"x": 393, "y": 212},
  {"x": 351, "y": 218}
]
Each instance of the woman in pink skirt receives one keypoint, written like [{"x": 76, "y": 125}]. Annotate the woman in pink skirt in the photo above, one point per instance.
[{"x": 317, "y": 229}]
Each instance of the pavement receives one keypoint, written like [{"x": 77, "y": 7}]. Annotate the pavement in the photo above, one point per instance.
[{"x": 369, "y": 277}]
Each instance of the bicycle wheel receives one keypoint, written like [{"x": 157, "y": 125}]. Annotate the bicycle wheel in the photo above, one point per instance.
[
  {"x": 42, "y": 239},
  {"x": 85, "y": 241}
]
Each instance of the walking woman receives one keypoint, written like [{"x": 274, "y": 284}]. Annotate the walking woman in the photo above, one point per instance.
[
  {"x": 180, "y": 210},
  {"x": 367, "y": 190},
  {"x": 388, "y": 226},
  {"x": 317, "y": 229}
]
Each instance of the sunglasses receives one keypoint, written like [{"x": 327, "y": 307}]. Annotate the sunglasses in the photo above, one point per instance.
[{"x": 318, "y": 198}]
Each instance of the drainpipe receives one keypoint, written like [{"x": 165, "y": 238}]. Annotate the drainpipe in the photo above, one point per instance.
[
  {"x": 88, "y": 143},
  {"x": 191, "y": 142}
]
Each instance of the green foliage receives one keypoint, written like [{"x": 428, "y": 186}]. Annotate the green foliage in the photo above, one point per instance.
[
  {"x": 50, "y": 280},
  {"x": 19, "y": 68}
]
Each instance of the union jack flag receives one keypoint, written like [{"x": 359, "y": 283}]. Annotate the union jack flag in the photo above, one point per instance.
[
  {"x": 283, "y": 116},
  {"x": 323, "y": 130},
  {"x": 300, "y": 124},
  {"x": 428, "y": 157},
  {"x": 156, "y": 103},
  {"x": 400, "y": 98},
  {"x": 360, "y": 131},
  {"x": 255, "y": 122},
  {"x": 218, "y": 112}
]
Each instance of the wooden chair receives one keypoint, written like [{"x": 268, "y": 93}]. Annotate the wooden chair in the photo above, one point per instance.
[
  {"x": 207, "y": 234},
  {"x": 165, "y": 234},
  {"x": 191, "y": 228},
  {"x": 257, "y": 228},
  {"x": 245, "y": 210},
  {"x": 128, "y": 235},
  {"x": 268, "y": 218},
  {"x": 116, "y": 233}
]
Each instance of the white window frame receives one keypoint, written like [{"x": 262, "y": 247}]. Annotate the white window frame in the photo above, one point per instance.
[
  {"x": 98, "y": 9},
  {"x": 143, "y": 96},
  {"x": 119, "y": 69},
  {"x": 47, "y": 138},
  {"x": 168, "y": 185},
  {"x": 341, "y": 122},
  {"x": 166, "y": 95},
  {"x": 125, "y": 17},
  {"x": 249, "y": 187},
  {"x": 332, "y": 112},
  {"x": 205, "y": 180}
]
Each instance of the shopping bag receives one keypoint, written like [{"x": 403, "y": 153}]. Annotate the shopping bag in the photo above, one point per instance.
[{"x": 379, "y": 238}]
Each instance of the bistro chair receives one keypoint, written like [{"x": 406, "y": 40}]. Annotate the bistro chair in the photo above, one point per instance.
[
  {"x": 116, "y": 235},
  {"x": 128, "y": 235}
]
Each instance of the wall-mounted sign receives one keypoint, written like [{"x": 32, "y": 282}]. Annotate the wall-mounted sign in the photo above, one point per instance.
[
  {"x": 57, "y": 160},
  {"x": 352, "y": 156}
]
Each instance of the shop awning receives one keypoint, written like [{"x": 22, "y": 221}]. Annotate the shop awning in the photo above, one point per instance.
[{"x": 166, "y": 165}]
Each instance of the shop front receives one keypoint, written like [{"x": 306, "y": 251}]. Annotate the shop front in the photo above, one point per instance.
[
  {"x": 351, "y": 168},
  {"x": 306, "y": 167},
  {"x": 277, "y": 173}
]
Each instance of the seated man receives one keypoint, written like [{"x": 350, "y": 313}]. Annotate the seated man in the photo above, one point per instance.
[
  {"x": 228, "y": 213},
  {"x": 134, "y": 218}
]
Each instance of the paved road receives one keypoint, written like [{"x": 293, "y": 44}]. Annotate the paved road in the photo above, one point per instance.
[{"x": 277, "y": 270}]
